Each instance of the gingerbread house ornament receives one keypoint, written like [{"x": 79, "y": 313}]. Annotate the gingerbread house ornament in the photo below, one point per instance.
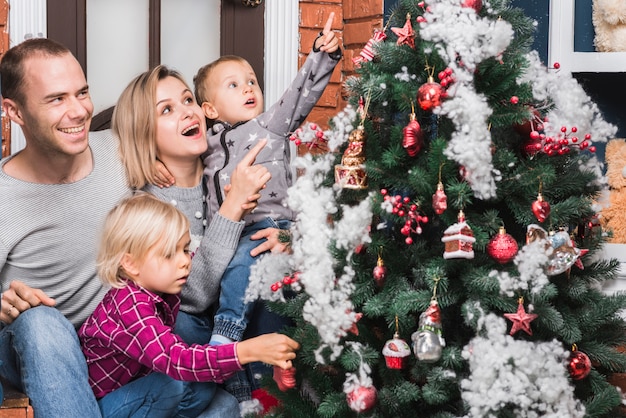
[{"x": 459, "y": 240}]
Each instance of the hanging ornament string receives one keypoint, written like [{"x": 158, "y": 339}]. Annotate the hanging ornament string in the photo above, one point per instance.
[
  {"x": 366, "y": 106},
  {"x": 435, "y": 284}
]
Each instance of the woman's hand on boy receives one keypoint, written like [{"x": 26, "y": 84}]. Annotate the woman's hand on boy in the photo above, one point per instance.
[{"x": 247, "y": 179}]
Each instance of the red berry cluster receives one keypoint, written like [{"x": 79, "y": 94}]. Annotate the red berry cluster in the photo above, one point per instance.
[
  {"x": 286, "y": 281},
  {"x": 402, "y": 207},
  {"x": 311, "y": 135},
  {"x": 562, "y": 143},
  {"x": 445, "y": 78}
]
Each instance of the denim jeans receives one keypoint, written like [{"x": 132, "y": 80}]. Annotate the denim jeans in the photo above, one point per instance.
[
  {"x": 41, "y": 355},
  {"x": 196, "y": 329},
  {"x": 232, "y": 316},
  {"x": 155, "y": 395},
  {"x": 262, "y": 321}
]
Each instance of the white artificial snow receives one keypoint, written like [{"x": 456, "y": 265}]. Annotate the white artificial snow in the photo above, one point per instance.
[
  {"x": 528, "y": 379},
  {"x": 464, "y": 39},
  {"x": 572, "y": 106},
  {"x": 328, "y": 306},
  {"x": 531, "y": 262}
]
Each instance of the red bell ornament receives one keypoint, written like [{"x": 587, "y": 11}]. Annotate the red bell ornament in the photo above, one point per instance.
[
  {"x": 502, "y": 247},
  {"x": 285, "y": 379},
  {"x": 429, "y": 95},
  {"x": 540, "y": 208},
  {"x": 412, "y": 137}
]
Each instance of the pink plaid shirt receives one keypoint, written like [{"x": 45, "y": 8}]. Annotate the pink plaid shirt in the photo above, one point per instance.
[{"x": 130, "y": 334}]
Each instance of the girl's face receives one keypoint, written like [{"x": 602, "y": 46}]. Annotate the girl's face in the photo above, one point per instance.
[
  {"x": 181, "y": 127},
  {"x": 164, "y": 273}
]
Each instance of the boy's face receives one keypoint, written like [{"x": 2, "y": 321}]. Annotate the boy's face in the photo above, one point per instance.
[{"x": 234, "y": 93}]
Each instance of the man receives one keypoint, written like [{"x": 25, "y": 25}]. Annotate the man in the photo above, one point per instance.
[{"x": 55, "y": 193}]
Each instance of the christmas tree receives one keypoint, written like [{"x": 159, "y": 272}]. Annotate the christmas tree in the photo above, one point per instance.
[{"x": 446, "y": 256}]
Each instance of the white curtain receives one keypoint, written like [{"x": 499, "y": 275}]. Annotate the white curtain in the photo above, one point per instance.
[{"x": 27, "y": 19}]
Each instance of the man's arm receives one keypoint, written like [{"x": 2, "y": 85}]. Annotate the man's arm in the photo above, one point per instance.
[{"x": 19, "y": 298}]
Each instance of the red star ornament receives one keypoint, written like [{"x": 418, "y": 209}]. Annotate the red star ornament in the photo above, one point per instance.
[
  {"x": 578, "y": 263},
  {"x": 521, "y": 320},
  {"x": 405, "y": 34}
]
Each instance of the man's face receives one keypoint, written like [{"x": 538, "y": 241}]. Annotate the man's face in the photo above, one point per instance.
[{"x": 57, "y": 109}]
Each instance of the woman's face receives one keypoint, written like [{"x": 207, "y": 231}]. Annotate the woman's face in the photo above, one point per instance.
[{"x": 181, "y": 127}]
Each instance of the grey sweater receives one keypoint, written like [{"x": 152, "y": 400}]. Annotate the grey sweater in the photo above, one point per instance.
[
  {"x": 229, "y": 144},
  {"x": 49, "y": 232},
  {"x": 213, "y": 246}
]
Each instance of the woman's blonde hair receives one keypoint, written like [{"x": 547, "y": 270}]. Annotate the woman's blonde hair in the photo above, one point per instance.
[
  {"x": 135, "y": 226},
  {"x": 134, "y": 123}
]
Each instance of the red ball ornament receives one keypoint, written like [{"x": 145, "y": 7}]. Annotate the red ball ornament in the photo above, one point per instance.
[
  {"x": 502, "y": 247},
  {"x": 361, "y": 398},
  {"x": 540, "y": 208},
  {"x": 429, "y": 94},
  {"x": 474, "y": 4},
  {"x": 579, "y": 365},
  {"x": 412, "y": 137},
  {"x": 380, "y": 272}
]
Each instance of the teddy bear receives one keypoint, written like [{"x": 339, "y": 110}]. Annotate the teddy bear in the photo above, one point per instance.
[
  {"x": 609, "y": 21},
  {"x": 613, "y": 214}
]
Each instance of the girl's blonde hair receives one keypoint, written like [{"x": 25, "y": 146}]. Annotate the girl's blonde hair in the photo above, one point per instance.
[
  {"x": 135, "y": 226},
  {"x": 134, "y": 123}
]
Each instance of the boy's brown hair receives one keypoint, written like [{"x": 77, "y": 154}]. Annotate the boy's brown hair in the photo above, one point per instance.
[{"x": 201, "y": 91}]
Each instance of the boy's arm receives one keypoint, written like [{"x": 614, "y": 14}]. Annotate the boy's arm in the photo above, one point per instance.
[{"x": 306, "y": 89}]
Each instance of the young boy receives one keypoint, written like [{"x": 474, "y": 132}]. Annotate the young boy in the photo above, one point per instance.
[
  {"x": 137, "y": 365},
  {"x": 228, "y": 91}
]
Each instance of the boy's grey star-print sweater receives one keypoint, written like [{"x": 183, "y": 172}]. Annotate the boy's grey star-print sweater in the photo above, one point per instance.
[{"x": 229, "y": 144}]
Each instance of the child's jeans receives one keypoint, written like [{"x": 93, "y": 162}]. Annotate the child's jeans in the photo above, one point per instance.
[
  {"x": 233, "y": 314},
  {"x": 158, "y": 395}
]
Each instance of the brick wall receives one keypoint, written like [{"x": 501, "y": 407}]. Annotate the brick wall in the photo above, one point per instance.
[{"x": 355, "y": 21}]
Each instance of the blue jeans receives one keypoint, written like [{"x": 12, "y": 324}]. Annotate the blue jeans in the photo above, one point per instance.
[
  {"x": 232, "y": 316},
  {"x": 41, "y": 355},
  {"x": 196, "y": 329},
  {"x": 262, "y": 321},
  {"x": 155, "y": 395},
  {"x": 158, "y": 395}
]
